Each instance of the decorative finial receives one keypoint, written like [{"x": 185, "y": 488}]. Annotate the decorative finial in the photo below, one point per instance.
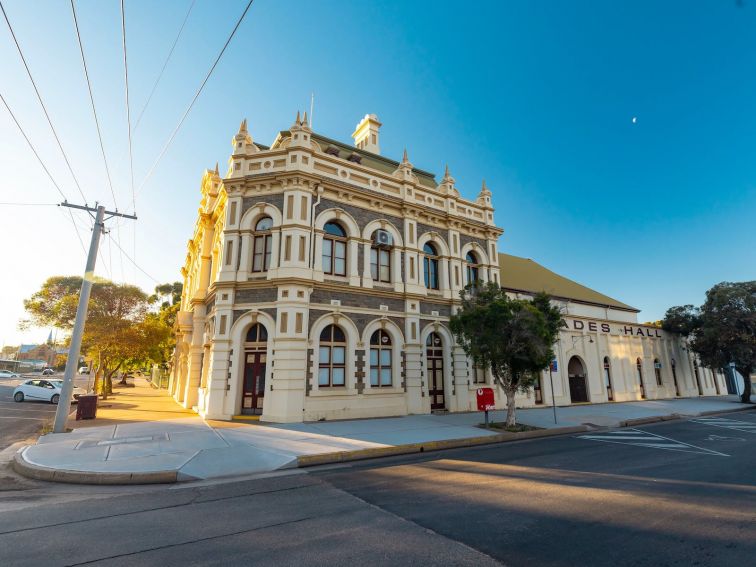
[
  {"x": 304, "y": 120},
  {"x": 298, "y": 120},
  {"x": 243, "y": 127},
  {"x": 447, "y": 176},
  {"x": 217, "y": 172},
  {"x": 405, "y": 159}
]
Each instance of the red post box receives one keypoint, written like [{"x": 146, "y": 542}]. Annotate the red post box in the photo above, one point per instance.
[{"x": 486, "y": 400}]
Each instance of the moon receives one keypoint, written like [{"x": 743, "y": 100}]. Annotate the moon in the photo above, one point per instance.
[{"x": 635, "y": 119}]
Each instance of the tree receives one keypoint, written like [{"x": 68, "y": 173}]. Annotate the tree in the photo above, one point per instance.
[
  {"x": 723, "y": 330},
  {"x": 119, "y": 331},
  {"x": 169, "y": 297},
  {"x": 514, "y": 338}
]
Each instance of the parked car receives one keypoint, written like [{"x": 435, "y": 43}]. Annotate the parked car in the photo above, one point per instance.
[
  {"x": 8, "y": 374},
  {"x": 48, "y": 372},
  {"x": 84, "y": 370},
  {"x": 46, "y": 390}
]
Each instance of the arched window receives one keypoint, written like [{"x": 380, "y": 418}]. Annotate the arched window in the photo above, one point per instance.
[
  {"x": 657, "y": 372},
  {"x": 431, "y": 266},
  {"x": 261, "y": 245},
  {"x": 332, "y": 357},
  {"x": 473, "y": 268},
  {"x": 608, "y": 379},
  {"x": 257, "y": 334},
  {"x": 380, "y": 261},
  {"x": 334, "y": 249},
  {"x": 380, "y": 359},
  {"x": 639, "y": 368}
]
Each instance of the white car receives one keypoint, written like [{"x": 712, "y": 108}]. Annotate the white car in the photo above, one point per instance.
[
  {"x": 8, "y": 374},
  {"x": 46, "y": 390}
]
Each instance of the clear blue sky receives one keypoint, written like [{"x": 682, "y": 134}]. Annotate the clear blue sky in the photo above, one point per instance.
[{"x": 537, "y": 97}]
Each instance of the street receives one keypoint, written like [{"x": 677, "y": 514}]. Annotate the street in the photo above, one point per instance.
[
  {"x": 674, "y": 493},
  {"x": 21, "y": 421}
]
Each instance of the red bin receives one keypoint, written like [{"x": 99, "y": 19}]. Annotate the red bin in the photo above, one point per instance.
[{"x": 87, "y": 407}]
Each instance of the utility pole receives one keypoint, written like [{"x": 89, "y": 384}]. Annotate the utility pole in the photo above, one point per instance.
[{"x": 64, "y": 403}]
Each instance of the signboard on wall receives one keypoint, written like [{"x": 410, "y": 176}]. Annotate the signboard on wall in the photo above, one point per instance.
[{"x": 613, "y": 328}]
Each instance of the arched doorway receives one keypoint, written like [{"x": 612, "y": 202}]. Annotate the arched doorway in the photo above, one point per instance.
[
  {"x": 578, "y": 387},
  {"x": 434, "y": 355},
  {"x": 255, "y": 360}
]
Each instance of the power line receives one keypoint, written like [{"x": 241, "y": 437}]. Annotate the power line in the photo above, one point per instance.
[
  {"x": 41, "y": 102},
  {"x": 196, "y": 96},
  {"x": 31, "y": 146},
  {"x": 128, "y": 108},
  {"x": 128, "y": 118},
  {"x": 165, "y": 64},
  {"x": 91, "y": 99},
  {"x": 135, "y": 264},
  {"x": 29, "y": 204},
  {"x": 76, "y": 229}
]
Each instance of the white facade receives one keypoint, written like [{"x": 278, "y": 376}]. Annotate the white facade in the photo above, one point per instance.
[{"x": 320, "y": 279}]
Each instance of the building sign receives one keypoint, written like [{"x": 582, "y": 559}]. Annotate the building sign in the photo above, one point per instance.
[{"x": 613, "y": 328}]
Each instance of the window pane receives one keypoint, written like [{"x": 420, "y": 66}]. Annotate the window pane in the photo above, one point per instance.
[
  {"x": 338, "y": 377},
  {"x": 327, "y": 247},
  {"x": 259, "y": 244},
  {"x": 338, "y": 354},
  {"x": 339, "y": 267},
  {"x": 373, "y": 255},
  {"x": 374, "y": 271},
  {"x": 373, "y": 357},
  {"x": 386, "y": 357},
  {"x": 334, "y": 229},
  {"x": 323, "y": 377},
  {"x": 385, "y": 274},
  {"x": 385, "y": 377},
  {"x": 264, "y": 223},
  {"x": 338, "y": 334},
  {"x": 257, "y": 263},
  {"x": 373, "y": 376},
  {"x": 340, "y": 249},
  {"x": 325, "y": 355},
  {"x": 325, "y": 334}
]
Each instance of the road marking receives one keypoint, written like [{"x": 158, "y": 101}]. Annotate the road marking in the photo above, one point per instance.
[
  {"x": 641, "y": 438},
  {"x": 724, "y": 423},
  {"x": 19, "y": 417},
  {"x": 723, "y": 438}
]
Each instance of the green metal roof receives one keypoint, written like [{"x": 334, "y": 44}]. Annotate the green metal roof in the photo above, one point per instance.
[{"x": 525, "y": 275}]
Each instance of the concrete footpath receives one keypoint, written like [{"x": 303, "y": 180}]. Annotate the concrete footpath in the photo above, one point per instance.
[{"x": 142, "y": 436}]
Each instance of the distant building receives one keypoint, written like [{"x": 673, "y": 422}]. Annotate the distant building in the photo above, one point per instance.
[
  {"x": 320, "y": 278},
  {"x": 43, "y": 353}
]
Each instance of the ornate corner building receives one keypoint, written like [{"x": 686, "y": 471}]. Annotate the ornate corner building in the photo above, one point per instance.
[{"x": 320, "y": 278}]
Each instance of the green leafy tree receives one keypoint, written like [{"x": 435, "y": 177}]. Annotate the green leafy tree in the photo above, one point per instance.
[
  {"x": 514, "y": 338},
  {"x": 168, "y": 297},
  {"x": 723, "y": 330},
  {"x": 119, "y": 332}
]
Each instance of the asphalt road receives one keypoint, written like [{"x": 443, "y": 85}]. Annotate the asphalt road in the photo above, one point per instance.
[
  {"x": 676, "y": 493},
  {"x": 21, "y": 421}
]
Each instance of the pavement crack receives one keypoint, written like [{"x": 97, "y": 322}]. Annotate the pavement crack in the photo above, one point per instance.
[
  {"x": 194, "y": 500},
  {"x": 191, "y": 541}
]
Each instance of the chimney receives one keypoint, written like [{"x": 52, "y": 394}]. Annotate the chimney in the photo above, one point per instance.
[{"x": 366, "y": 134}]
